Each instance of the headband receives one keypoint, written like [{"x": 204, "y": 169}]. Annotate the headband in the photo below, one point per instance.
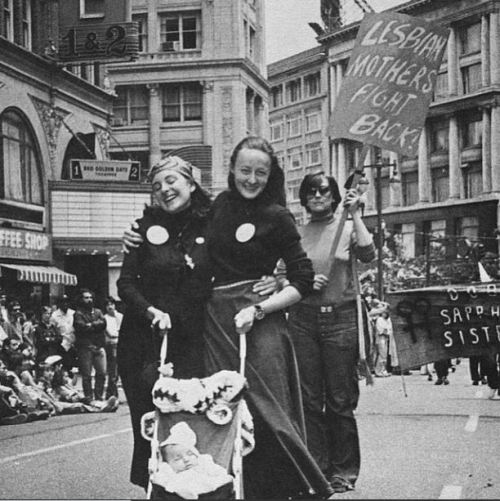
[{"x": 173, "y": 163}]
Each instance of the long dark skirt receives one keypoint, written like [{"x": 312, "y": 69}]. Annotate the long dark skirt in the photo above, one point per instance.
[
  {"x": 138, "y": 357},
  {"x": 280, "y": 466}
]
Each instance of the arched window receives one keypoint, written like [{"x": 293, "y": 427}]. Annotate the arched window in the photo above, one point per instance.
[{"x": 20, "y": 179}]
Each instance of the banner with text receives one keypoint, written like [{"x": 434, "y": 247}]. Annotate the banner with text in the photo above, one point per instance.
[
  {"x": 436, "y": 323},
  {"x": 389, "y": 82},
  {"x": 105, "y": 170}
]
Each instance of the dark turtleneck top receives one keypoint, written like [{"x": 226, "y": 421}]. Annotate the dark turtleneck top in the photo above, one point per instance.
[{"x": 275, "y": 237}]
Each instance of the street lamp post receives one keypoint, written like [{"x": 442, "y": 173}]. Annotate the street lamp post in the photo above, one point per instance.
[{"x": 379, "y": 165}]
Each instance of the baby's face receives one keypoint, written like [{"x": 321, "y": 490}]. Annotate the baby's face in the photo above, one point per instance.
[{"x": 180, "y": 458}]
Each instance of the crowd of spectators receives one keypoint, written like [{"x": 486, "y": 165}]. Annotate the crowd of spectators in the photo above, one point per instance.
[{"x": 42, "y": 359}]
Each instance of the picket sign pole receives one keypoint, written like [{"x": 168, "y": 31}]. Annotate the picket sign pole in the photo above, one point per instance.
[{"x": 343, "y": 218}]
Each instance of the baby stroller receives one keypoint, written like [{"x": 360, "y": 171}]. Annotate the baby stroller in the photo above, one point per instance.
[{"x": 215, "y": 424}]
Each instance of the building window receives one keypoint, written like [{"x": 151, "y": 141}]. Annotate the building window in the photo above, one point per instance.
[
  {"x": 294, "y": 126},
  {"x": 142, "y": 21},
  {"x": 312, "y": 84},
  {"x": 439, "y": 136},
  {"x": 470, "y": 39},
  {"x": 21, "y": 177},
  {"x": 250, "y": 39},
  {"x": 179, "y": 31},
  {"x": 468, "y": 227},
  {"x": 26, "y": 24},
  {"x": 472, "y": 132},
  {"x": 385, "y": 190},
  {"x": 277, "y": 96},
  {"x": 294, "y": 91},
  {"x": 440, "y": 184},
  {"x": 295, "y": 159},
  {"x": 471, "y": 78},
  {"x": 131, "y": 106},
  {"x": 472, "y": 175},
  {"x": 91, "y": 8},
  {"x": 313, "y": 122},
  {"x": 409, "y": 185},
  {"x": 276, "y": 131},
  {"x": 434, "y": 237},
  {"x": 8, "y": 20},
  {"x": 441, "y": 89},
  {"x": 181, "y": 102},
  {"x": 408, "y": 240},
  {"x": 313, "y": 154}
]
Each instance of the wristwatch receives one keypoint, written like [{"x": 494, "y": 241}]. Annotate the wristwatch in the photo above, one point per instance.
[{"x": 259, "y": 312}]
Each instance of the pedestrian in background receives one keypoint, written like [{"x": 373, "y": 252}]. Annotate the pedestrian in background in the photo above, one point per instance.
[
  {"x": 383, "y": 333},
  {"x": 89, "y": 326},
  {"x": 113, "y": 323},
  {"x": 62, "y": 318}
]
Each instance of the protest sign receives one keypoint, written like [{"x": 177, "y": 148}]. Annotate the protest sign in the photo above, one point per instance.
[
  {"x": 437, "y": 323},
  {"x": 389, "y": 82}
]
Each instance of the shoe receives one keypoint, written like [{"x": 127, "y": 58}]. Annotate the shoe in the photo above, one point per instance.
[
  {"x": 16, "y": 419},
  {"x": 493, "y": 394},
  {"x": 445, "y": 381},
  {"x": 38, "y": 416},
  {"x": 475, "y": 383},
  {"x": 439, "y": 381},
  {"x": 110, "y": 405},
  {"x": 484, "y": 380},
  {"x": 429, "y": 377},
  {"x": 340, "y": 484}
]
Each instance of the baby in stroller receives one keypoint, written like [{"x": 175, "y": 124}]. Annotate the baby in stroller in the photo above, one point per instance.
[{"x": 183, "y": 470}]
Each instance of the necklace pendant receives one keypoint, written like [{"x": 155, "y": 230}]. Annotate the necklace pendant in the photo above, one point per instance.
[{"x": 189, "y": 261}]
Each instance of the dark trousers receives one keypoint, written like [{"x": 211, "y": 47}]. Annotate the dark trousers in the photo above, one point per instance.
[
  {"x": 112, "y": 369},
  {"x": 441, "y": 367},
  {"x": 92, "y": 357},
  {"x": 326, "y": 346},
  {"x": 485, "y": 366}
]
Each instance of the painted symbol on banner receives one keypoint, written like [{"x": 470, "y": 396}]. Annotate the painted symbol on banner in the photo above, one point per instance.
[
  {"x": 245, "y": 232},
  {"x": 219, "y": 414},
  {"x": 157, "y": 235}
]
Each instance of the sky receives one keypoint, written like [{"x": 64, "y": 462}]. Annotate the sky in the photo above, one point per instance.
[{"x": 287, "y": 28}]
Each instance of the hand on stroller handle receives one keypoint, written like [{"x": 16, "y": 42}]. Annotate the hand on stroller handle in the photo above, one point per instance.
[{"x": 160, "y": 319}]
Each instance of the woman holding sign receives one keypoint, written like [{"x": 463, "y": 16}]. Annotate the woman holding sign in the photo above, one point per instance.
[{"x": 325, "y": 332}]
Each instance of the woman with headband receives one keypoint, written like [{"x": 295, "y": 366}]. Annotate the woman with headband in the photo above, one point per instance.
[{"x": 164, "y": 283}]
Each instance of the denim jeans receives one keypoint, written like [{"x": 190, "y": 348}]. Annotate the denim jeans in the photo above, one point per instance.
[
  {"x": 326, "y": 346},
  {"x": 89, "y": 357},
  {"x": 111, "y": 388}
]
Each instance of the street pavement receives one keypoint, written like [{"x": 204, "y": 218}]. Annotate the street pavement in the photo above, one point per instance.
[{"x": 419, "y": 441}]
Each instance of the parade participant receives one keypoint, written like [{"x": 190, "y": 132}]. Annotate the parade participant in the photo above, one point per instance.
[
  {"x": 383, "y": 332},
  {"x": 325, "y": 332},
  {"x": 113, "y": 322},
  {"x": 89, "y": 326},
  {"x": 249, "y": 231},
  {"x": 169, "y": 254}
]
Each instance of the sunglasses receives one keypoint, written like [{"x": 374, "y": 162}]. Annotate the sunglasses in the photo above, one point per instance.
[{"x": 322, "y": 190}]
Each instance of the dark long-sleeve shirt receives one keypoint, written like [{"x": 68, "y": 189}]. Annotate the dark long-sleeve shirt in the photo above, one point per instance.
[
  {"x": 275, "y": 236},
  {"x": 89, "y": 327}
]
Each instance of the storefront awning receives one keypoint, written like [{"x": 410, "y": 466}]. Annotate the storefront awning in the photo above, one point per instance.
[{"x": 42, "y": 274}]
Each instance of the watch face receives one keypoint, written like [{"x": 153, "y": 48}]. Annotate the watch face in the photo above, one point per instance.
[{"x": 259, "y": 312}]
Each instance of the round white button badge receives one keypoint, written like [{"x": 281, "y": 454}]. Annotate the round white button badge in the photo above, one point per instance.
[
  {"x": 245, "y": 232},
  {"x": 157, "y": 235},
  {"x": 200, "y": 240}
]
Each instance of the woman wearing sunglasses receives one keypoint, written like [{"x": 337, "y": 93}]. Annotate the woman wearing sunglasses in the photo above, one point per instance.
[{"x": 324, "y": 329}]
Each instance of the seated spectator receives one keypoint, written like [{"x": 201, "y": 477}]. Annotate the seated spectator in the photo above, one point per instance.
[
  {"x": 11, "y": 349},
  {"x": 29, "y": 331},
  {"x": 16, "y": 318},
  {"x": 56, "y": 383}
]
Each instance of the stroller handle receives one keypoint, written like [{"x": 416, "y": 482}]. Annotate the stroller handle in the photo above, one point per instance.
[{"x": 243, "y": 353}]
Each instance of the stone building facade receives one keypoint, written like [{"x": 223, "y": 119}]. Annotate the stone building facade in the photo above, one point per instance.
[
  {"x": 298, "y": 118},
  {"x": 198, "y": 86},
  {"x": 452, "y": 186}
]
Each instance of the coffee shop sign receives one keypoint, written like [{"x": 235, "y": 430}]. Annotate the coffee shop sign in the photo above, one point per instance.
[{"x": 23, "y": 244}]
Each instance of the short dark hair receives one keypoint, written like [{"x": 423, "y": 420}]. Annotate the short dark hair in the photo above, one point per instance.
[
  {"x": 274, "y": 192},
  {"x": 110, "y": 300},
  {"x": 311, "y": 180},
  {"x": 86, "y": 291}
]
